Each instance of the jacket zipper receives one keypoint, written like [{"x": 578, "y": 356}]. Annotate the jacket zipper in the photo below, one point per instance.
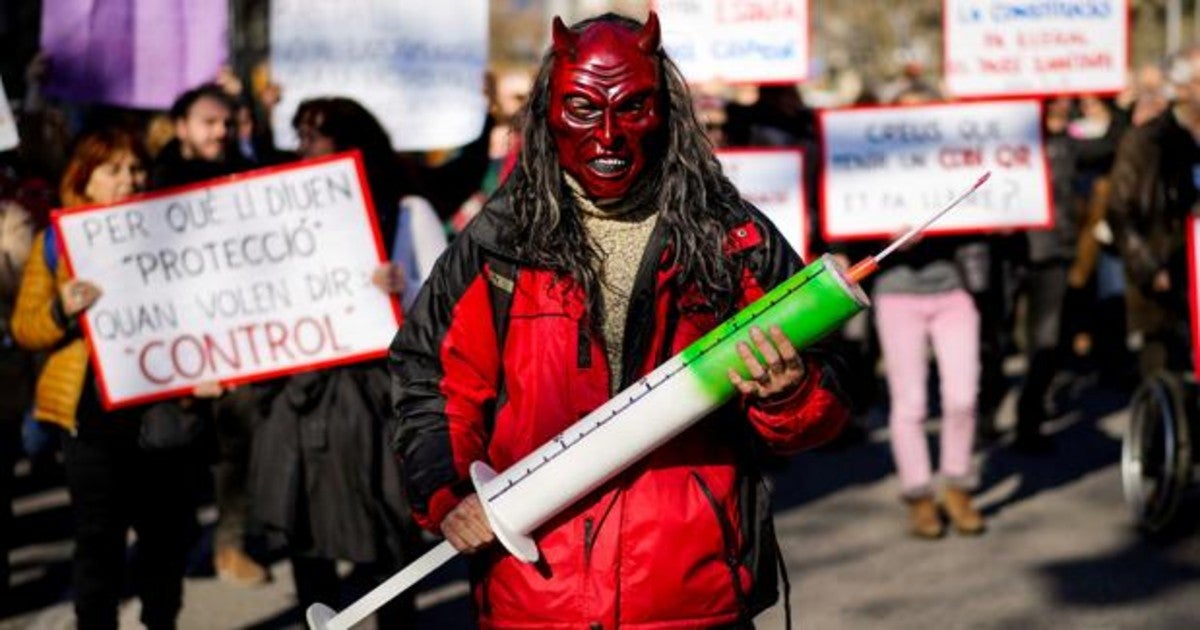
[
  {"x": 583, "y": 347},
  {"x": 589, "y": 540},
  {"x": 729, "y": 537}
]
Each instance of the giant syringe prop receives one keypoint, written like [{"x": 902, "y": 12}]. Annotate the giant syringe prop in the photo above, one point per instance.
[{"x": 809, "y": 305}]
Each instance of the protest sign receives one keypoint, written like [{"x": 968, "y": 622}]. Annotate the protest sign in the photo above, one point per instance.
[
  {"x": 8, "y": 125},
  {"x": 235, "y": 280},
  {"x": 887, "y": 168},
  {"x": 133, "y": 53},
  {"x": 1022, "y": 48},
  {"x": 772, "y": 180},
  {"x": 737, "y": 41},
  {"x": 417, "y": 66},
  {"x": 1193, "y": 242}
]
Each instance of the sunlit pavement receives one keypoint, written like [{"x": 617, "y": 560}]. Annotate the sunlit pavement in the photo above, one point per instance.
[{"x": 1060, "y": 551}]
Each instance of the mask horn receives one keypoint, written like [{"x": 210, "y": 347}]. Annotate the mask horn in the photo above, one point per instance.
[
  {"x": 564, "y": 39},
  {"x": 651, "y": 36}
]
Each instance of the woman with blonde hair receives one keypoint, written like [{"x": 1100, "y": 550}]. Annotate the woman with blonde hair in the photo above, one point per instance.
[{"x": 134, "y": 467}]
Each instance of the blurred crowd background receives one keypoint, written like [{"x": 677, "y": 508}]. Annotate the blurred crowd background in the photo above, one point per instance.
[{"x": 1074, "y": 308}]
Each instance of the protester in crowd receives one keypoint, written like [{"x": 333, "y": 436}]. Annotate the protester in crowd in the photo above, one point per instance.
[
  {"x": 324, "y": 430},
  {"x": 1044, "y": 279},
  {"x": 411, "y": 231},
  {"x": 617, "y": 212},
  {"x": 27, "y": 198},
  {"x": 449, "y": 177},
  {"x": 203, "y": 149},
  {"x": 777, "y": 118},
  {"x": 44, "y": 129},
  {"x": 1146, "y": 96},
  {"x": 709, "y": 102},
  {"x": 507, "y": 93},
  {"x": 1097, "y": 321},
  {"x": 1096, "y": 317},
  {"x": 137, "y": 467},
  {"x": 919, "y": 299},
  {"x": 990, "y": 266},
  {"x": 923, "y": 298},
  {"x": 1153, "y": 191},
  {"x": 252, "y": 139},
  {"x": 16, "y": 365}
]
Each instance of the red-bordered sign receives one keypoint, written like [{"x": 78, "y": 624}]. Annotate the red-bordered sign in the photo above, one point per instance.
[
  {"x": 773, "y": 180},
  {"x": 1193, "y": 241},
  {"x": 700, "y": 66},
  {"x": 886, "y": 167},
  {"x": 166, "y": 261},
  {"x": 1008, "y": 49}
]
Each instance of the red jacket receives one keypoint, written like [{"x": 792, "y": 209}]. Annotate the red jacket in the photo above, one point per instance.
[{"x": 658, "y": 545}]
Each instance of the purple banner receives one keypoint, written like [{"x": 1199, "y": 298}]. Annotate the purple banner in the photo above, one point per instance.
[{"x": 134, "y": 53}]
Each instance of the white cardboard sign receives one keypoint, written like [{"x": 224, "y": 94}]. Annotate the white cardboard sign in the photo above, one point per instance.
[
  {"x": 417, "y": 66},
  {"x": 1007, "y": 48},
  {"x": 239, "y": 279},
  {"x": 888, "y": 168},
  {"x": 737, "y": 41},
  {"x": 8, "y": 125},
  {"x": 772, "y": 180},
  {"x": 1193, "y": 248}
]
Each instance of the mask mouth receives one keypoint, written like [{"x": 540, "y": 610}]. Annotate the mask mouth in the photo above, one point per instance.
[{"x": 609, "y": 165}]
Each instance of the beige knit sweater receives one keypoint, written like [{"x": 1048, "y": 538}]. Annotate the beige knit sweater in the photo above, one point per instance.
[{"x": 619, "y": 232}]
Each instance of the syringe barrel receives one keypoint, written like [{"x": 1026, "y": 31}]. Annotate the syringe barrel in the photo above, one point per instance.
[{"x": 681, "y": 391}]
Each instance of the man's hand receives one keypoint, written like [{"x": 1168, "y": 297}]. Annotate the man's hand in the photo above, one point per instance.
[
  {"x": 466, "y": 526},
  {"x": 783, "y": 372},
  {"x": 229, "y": 81}
]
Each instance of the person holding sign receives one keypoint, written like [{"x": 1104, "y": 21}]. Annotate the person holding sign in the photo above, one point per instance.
[
  {"x": 136, "y": 467},
  {"x": 616, "y": 242},
  {"x": 411, "y": 229},
  {"x": 329, "y": 424}
]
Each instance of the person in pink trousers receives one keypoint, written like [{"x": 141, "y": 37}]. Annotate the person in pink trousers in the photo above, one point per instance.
[{"x": 921, "y": 300}]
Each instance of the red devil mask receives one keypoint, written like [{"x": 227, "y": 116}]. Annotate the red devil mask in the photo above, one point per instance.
[{"x": 605, "y": 112}]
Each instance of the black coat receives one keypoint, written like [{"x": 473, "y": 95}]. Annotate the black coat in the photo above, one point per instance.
[
  {"x": 171, "y": 169},
  {"x": 322, "y": 473}
]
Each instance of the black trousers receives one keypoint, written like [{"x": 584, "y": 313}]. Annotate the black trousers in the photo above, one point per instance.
[
  {"x": 317, "y": 582},
  {"x": 234, "y": 416},
  {"x": 114, "y": 485},
  {"x": 10, "y": 446},
  {"x": 1046, "y": 290}
]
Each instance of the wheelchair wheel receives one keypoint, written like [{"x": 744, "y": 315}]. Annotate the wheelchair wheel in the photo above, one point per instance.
[{"x": 1156, "y": 455}]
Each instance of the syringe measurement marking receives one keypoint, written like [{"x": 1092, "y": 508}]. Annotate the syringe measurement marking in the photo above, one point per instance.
[{"x": 734, "y": 328}]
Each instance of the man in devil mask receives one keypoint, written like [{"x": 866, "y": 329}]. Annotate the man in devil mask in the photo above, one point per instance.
[{"x": 616, "y": 242}]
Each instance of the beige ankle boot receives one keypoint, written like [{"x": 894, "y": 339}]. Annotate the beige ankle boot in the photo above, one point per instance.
[
  {"x": 964, "y": 516},
  {"x": 924, "y": 521},
  {"x": 235, "y": 567}
]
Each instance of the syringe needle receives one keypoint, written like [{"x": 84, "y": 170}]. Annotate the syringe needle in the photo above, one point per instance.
[{"x": 868, "y": 265}]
